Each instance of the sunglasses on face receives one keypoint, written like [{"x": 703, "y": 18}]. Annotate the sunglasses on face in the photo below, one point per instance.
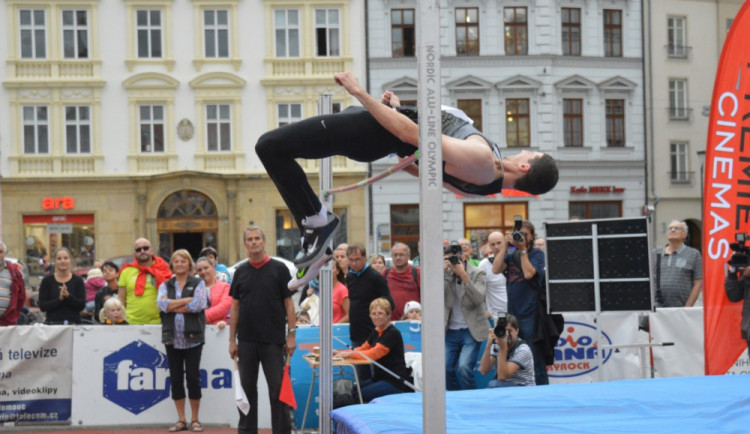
[{"x": 142, "y": 249}]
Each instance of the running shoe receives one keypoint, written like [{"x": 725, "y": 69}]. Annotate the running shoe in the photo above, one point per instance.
[
  {"x": 306, "y": 274},
  {"x": 315, "y": 241}
]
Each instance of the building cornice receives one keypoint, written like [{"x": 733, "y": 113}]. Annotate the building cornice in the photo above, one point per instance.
[{"x": 484, "y": 62}]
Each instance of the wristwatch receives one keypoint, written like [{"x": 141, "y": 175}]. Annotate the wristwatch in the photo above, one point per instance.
[
  {"x": 522, "y": 252},
  {"x": 294, "y": 330}
]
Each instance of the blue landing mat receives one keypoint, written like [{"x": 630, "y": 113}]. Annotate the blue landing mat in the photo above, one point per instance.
[{"x": 716, "y": 404}]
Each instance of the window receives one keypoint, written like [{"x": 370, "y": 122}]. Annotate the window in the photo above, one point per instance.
[
  {"x": 612, "y": 33},
  {"x": 676, "y": 37},
  {"x": 327, "y": 40},
  {"x": 33, "y": 34},
  {"x": 289, "y": 113},
  {"x": 405, "y": 226},
  {"x": 216, "y": 33},
  {"x": 516, "y": 31},
  {"x": 679, "y": 163},
  {"x": 518, "y": 129},
  {"x": 45, "y": 233},
  {"x": 678, "y": 99},
  {"x": 287, "y": 233},
  {"x": 35, "y": 129},
  {"x": 286, "y": 25},
  {"x": 148, "y": 30},
  {"x": 571, "y": 31},
  {"x": 615, "y": 113},
  {"x": 473, "y": 109},
  {"x": 467, "y": 31},
  {"x": 595, "y": 210},
  {"x": 75, "y": 34},
  {"x": 402, "y": 33},
  {"x": 152, "y": 128},
  {"x": 481, "y": 219},
  {"x": 78, "y": 129},
  {"x": 573, "y": 122},
  {"x": 218, "y": 127}
]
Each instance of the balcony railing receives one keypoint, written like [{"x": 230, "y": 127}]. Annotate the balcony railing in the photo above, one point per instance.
[
  {"x": 681, "y": 177},
  {"x": 323, "y": 67},
  {"x": 679, "y": 113},
  {"x": 51, "y": 69}
]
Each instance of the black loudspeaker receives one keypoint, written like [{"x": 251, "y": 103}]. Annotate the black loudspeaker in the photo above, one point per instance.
[{"x": 613, "y": 252}]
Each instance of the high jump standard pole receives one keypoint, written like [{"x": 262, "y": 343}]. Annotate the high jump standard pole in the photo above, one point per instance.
[{"x": 431, "y": 215}]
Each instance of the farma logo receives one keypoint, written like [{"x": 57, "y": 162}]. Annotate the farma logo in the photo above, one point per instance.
[
  {"x": 575, "y": 353},
  {"x": 136, "y": 377}
]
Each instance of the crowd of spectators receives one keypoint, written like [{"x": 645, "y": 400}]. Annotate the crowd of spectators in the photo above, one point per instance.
[{"x": 503, "y": 277}]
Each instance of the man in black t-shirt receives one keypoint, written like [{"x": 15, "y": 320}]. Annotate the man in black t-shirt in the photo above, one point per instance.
[
  {"x": 262, "y": 306},
  {"x": 364, "y": 285}
]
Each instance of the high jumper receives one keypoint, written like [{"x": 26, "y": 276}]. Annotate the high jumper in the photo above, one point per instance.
[{"x": 472, "y": 163}]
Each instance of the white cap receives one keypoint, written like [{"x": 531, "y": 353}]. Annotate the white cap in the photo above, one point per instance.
[
  {"x": 94, "y": 272},
  {"x": 412, "y": 305}
]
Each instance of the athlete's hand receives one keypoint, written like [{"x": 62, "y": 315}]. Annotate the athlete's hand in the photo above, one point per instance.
[
  {"x": 390, "y": 99},
  {"x": 348, "y": 81}
]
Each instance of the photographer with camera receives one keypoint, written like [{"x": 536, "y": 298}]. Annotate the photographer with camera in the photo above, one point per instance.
[
  {"x": 509, "y": 354},
  {"x": 737, "y": 283},
  {"x": 524, "y": 269},
  {"x": 465, "y": 320}
]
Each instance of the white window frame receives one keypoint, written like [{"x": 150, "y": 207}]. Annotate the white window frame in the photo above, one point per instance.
[
  {"x": 677, "y": 32},
  {"x": 217, "y": 120},
  {"x": 286, "y": 29},
  {"x": 678, "y": 100},
  {"x": 149, "y": 28},
  {"x": 151, "y": 122},
  {"x": 217, "y": 30},
  {"x": 679, "y": 162},
  {"x": 76, "y": 30},
  {"x": 81, "y": 126},
  {"x": 332, "y": 32},
  {"x": 33, "y": 28},
  {"x": 40, "y": 128},
  {"x": 288, "y": 118}
]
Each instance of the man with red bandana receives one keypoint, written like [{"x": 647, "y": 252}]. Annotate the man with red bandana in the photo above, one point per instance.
[{"x": 139, "y": 282}]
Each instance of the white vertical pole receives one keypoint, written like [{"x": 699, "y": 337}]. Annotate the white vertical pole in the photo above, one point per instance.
[
  {"x": 325, "y": 388},
  {"x": 597, "y": 299},
  {"x": 431, "y": 216}
]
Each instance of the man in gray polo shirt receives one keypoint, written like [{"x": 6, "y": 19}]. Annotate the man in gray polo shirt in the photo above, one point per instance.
[{"x": 677, "y": 269}]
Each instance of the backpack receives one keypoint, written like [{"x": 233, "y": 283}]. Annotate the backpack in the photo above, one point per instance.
[
  {"x": 414, "y": 274},
  {"x": 343, "y": 393}
]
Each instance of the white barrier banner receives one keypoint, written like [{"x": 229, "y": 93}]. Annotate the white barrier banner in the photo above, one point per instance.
[
  {"x": 682, "y": 326},
  {"x": 575, "y": 354},
  {"x": 35, "y": 377},
  {"x": 122, "y": 377}
]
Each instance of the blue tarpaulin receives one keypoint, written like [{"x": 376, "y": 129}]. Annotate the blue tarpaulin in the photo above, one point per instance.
[{"x": 688, "y": 404}]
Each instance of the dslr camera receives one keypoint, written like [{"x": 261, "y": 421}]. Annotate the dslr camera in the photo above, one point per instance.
[
  {"x": 501, "y": 321},
  {"x": 517, "y": 235},
  {"x": 455, "y": 252},
  {"x": 741, "y": 251}
]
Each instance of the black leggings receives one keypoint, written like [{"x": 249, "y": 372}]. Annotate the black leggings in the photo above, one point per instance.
[
  {"x": 353, "y": 133},
  {"x": 184, "y": 364}
]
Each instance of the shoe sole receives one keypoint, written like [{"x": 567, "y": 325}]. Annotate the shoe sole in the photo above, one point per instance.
[
  {"x": 322, "y": 252},
  {"x": 313, "y": 270}
]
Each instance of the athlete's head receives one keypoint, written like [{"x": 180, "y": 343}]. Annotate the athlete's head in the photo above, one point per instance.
[{"x": 542, "y": 175}]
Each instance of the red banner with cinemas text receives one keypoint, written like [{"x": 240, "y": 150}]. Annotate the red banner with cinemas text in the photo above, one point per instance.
[{"x": 726, "y": 206}]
